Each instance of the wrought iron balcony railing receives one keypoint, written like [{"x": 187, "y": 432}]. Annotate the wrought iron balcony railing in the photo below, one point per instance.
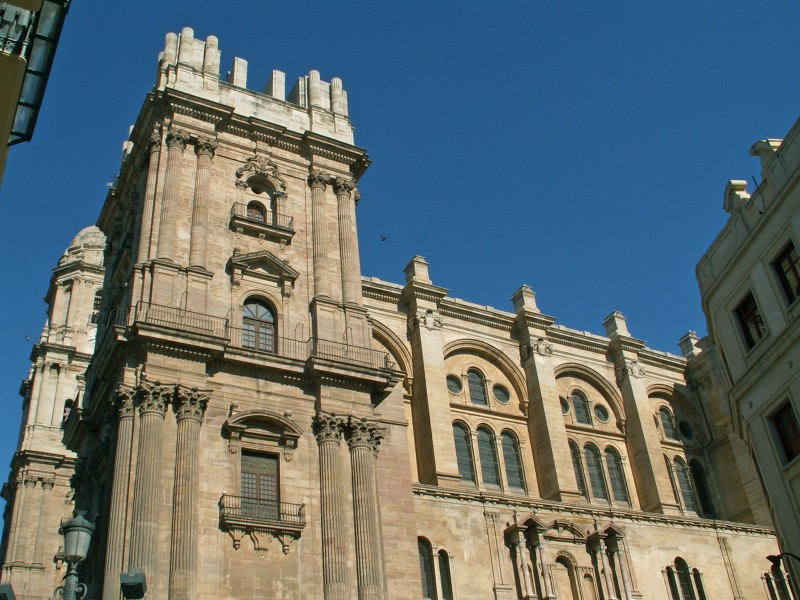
[
  {"x": 256, "y": 511},
  {"x": 348, "y": 353},
  {"x": 178, "y": 318},
  {"x": 247, "y": 340},
  {"x": 267, "y": 218}
]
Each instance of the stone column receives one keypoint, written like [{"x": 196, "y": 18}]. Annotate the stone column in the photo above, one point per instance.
[
  {"x": 623, "y": 568},
  {"x": 548, "y": 586},
  {"x": 322, "y": 286},
  {"x": 115, "y": 544},
  {"x": 364, "y": 438},
  {"x": 197, "y": 247},
  {"x": 601, "y": 549},
  {"x": 153, "y": 399},
  {"x": 190, "y": 406},
  {"x": 520, "y": 543},
  {"x": 328, "y": 431},
  {"x": 167, "y": 228},
  {"x": 148, "y": 203},
  {"x": 348, "y": 242}
]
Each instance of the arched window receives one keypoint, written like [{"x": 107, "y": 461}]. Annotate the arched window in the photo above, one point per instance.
[
  {"x": 701, "y": 487},
  {"x": 444, "y": 573},
  {"x": 698, "y": 584},
  {"x": 685, "y": 484},
  {"x": 426, "y": 569},
  {"x": 97, "y": 302},
  {"x": 617, "y": 476},
  {"x": 581, "y": 406},
  {"x": 668, "y": 424},
  {"x": 463, "y": 452},
  {"x": 566, "y": 582},
  {"x": 256, "y": 212},
  {"x": 488, "y": 455},
  {"x": 684, "y": 579},
  {"x": 595, "y": 467},
  {"x": 258, "y": 326},
  {"x": 477, "y": 387},
  {"x": 671, "y": 475},
  {"x": 672, "y": 582},
  {"x": 513, "y": 461},
  {"x": 577, "y": 465}
]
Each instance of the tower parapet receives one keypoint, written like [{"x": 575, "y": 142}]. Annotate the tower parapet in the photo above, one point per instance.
[{"x": 192, "y": 65}]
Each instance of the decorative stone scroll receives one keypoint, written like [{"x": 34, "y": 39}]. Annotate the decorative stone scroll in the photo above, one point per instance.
[
  {"x": 190, "y": 403},
  {"x": 632, "y": 368},
  {"x": 362, "y": 432},
  {"x": 260, "y": 169},
  {"x": 429, "y": 319},
  {"x": 318, "y": 180},
  {"x": 328, "y": 427},
  {"x": 124, "y": 400},
  {"x": 153, "y": 397}
]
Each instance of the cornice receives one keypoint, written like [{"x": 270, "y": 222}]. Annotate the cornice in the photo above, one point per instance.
[
  {"x": 382, "y": 291},
  {"x": 479, "y": 315},
  {"x": 578, "y": 339},
  {"x": 663, "y": 360},
  {"x": 582, "y": 510},
  {"x": 354, "y": 157}
]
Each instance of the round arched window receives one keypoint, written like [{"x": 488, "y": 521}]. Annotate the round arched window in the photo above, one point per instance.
[
  {"x": 601, "y": 412},
  {"x": 258, "y": 326},
  {"x": 256, "y": 212}
]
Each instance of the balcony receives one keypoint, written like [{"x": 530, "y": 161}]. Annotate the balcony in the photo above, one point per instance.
[
  {"x": 341, "y": 352},
  {"x": 258, "y": 518},
  {"x": 269, "y": 224},
  {"x": 178, "y": 319},
  {"x": 276, "y": 346}
]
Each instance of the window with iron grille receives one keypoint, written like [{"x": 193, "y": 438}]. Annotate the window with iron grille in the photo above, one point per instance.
[
  {"x": 787, "y": 431},
  {"x": 259, "y": 486},
  {"x": 258, "y": 326},
  {"x": 787, "y": 269},
  {"x": 750, "y": 322}
]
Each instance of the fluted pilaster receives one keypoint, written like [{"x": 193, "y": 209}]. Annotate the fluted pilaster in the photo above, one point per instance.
[
  {"x": 612, "y": 593},
  {"x": 148, "y": 205},
  {"x": 190, "y": 406},
  {"x": 322, "y": 285},
  {"x": 348, "y": 242},
  {"x": 202, "y": 187},
  {"x": 364, "y": 438},
  {"x": 328, "y": 431},
  {"x": 167, "y": 228},
  {"x": 152, "y": 399},
  {"x": 115, "y": 544}
]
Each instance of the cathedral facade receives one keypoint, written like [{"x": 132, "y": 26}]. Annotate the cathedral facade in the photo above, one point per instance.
[{"x": 242, "y": 414}]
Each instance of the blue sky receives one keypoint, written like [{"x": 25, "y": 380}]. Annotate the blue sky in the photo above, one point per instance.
[{"x": 579, "y": 147}]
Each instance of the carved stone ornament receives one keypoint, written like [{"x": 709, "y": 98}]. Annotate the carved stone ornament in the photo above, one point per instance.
[
  {"x": 124, "y": 400},
  {"x": 328, "y": 427},
  {"x": 429, "y": 319},
  {"x": 205, "y": 147},
  {"x": 632, "y": 368},
  {"x": 317, "y": 180},
  {"x": 363, "y": 433},
  {"x": 177, "y": 139},
  {"x": 190, "y": 403},
  {"x": 543, "y": 346},
  {"x": 154, "y": 397},
  {"x": 343, "y": 187},
  {"x": 260, "y": 168}
]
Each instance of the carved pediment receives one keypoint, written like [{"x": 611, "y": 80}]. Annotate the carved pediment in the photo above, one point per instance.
[
  {"x": 260, "y": 172},
  {"x": 259, "y": 428},
  {"x": 265, "y": 266}
]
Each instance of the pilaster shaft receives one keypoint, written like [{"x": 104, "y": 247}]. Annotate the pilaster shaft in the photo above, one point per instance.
[
  {"x": 548, "y": 587},
  {"x": 167, "y": 228},
  {"x": 348, "y": 242},
  {"x": 153, "y": 399},
  {"x": 623, "y": 568},
  {"x": 364, "y": 438},
  {"x": 190, "y": 406},
  {"x": 328, "y": 431},
  {"x": 612, "y": 593},
  {"x": 115, "y": 544},
  {"x": 322, "y": 286},
  {"x": 202, "y": 186},
  {"x": 148, "y": 204}
]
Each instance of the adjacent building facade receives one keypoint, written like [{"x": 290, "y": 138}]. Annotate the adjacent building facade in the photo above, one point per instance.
[
  {"x": 750, "y": 281},
  {"x": 259, "y": 420}
]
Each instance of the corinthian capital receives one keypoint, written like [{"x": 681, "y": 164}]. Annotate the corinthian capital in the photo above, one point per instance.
[
  {"x": 343, "y": 187},
  {"x": 177, "y": 139},
  {"x": 327, "y": 427},
  {"x": 363, "y": 433},
  {"x": 190, "y": 403},
  {"x": 317, "y": 180},
  {"x": 205, "y": 147},
  {"x": 154, "y": 397},
  {"x": 124, "y": 399}
]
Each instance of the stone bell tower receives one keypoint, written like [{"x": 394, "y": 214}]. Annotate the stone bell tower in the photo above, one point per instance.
[{"x": 236, "y": 355}]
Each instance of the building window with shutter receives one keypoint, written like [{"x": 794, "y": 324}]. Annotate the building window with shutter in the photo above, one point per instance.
[
  {"x": 787, "y": 268},
  {"x": 259, "y": 486},
  {"x": 787, "y": 431},
  {"x": 751, "y": 324}
]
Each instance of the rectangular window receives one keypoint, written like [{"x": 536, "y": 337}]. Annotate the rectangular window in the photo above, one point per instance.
[
  {"x": 787, "y": 269},
  {"x": 750, "y": 321},
  {"x": 260, "y": 486},
  {"x": 787, "y": 430}
]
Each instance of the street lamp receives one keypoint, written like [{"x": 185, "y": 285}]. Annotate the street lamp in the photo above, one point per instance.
[
  {"x": 77, "y": 536},
  {"x": 775, "y": 559}
]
